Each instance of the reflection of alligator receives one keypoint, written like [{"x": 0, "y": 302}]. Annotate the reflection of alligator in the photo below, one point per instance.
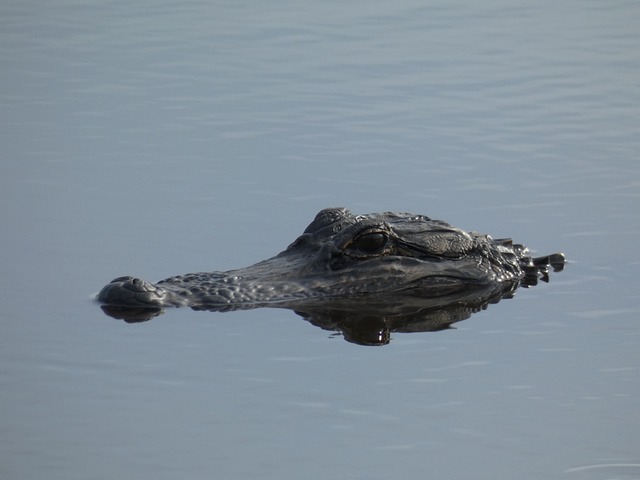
[
  {"x": 342, "y": 261},
  {"x": 371, "y": 323}
]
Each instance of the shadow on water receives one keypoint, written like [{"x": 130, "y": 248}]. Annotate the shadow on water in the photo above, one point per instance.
[{"x": 363, "y": 276}]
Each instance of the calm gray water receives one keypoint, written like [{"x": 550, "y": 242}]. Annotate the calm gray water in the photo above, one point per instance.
[{"x": 157, "y": 138}]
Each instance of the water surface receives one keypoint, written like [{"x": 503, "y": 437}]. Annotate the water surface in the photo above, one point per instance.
[{"x": 156, "y": 138}]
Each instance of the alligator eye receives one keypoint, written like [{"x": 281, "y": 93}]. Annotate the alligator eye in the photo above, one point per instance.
[{"x": 371, "y": 243}]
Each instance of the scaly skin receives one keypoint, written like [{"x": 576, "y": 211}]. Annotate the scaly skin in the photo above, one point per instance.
[{"x": 341, "y": 256}]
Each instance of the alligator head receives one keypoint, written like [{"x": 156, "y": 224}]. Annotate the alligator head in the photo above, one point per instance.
[{"x": 344, "y": 259}]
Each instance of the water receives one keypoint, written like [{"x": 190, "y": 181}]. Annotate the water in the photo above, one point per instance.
[{"x": 154, "y": 138}]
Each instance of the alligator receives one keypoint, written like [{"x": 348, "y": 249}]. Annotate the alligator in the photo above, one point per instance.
[{"x": 352, "y": 263}]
